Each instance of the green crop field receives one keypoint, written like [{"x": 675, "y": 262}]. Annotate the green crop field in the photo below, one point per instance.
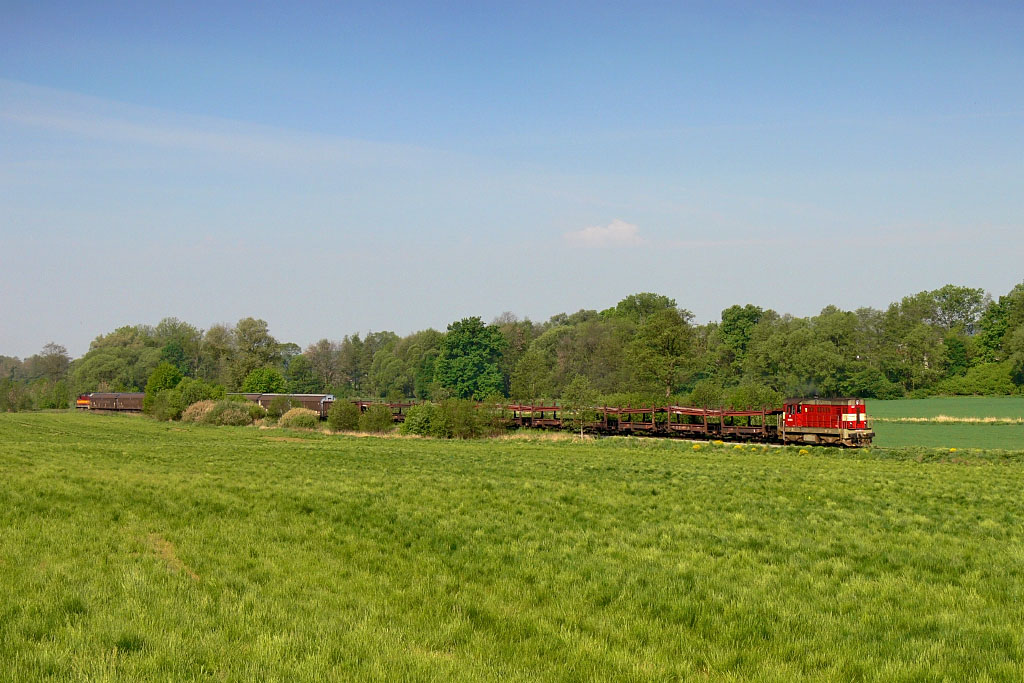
[
  {"x": 950, "y": 422},
  {"x": 955, "y": 435},
  {"x": 978, "y": 407},
  {"x": 138, "y": 550}
]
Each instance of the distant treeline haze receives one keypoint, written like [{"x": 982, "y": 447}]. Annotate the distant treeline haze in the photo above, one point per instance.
[{"x": 954, "y": 340}]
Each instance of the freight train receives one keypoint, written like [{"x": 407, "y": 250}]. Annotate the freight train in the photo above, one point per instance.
[{"x": 816, "y": 421}]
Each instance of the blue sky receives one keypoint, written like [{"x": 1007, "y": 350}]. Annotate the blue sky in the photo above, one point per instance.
[{"x": 338, "y": 167}]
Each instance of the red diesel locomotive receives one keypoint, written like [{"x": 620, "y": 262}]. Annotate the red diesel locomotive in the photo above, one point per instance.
[{"x": 829, "y": 421}]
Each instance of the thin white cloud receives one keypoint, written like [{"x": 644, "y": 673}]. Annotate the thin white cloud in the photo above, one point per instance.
[
  {"x": 618, "y": 233},
  {"x": 84, "y": 116}
]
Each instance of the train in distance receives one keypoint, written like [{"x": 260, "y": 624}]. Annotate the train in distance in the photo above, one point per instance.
[{"x": 800, "y": 421}]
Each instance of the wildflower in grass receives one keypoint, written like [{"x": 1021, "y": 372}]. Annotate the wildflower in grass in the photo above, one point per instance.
[
  {"x": 804, "y": 451},
  {"x": 738, "y": 447},
  {"x": 696, "y": 446},
  {"x": 718, "y": 443},
  {"x": 952, "y": 450}
]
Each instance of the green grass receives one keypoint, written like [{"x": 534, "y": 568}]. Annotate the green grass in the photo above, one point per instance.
[
  {"x": 1003, "y": 407},
  {"x": 135, "y": 550},
  {"x": 950, "y": 422},
  {"x": 931, "y": 435}
]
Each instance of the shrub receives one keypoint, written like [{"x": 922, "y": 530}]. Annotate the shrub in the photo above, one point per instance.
[
  {"x": 871, "y": 383},
  {"x": 197, "y": 411},
  {"x": 707, "y": 393},
  {"x": 753, "y": 396},
  {"x": 54, "y": 395},
  {"x": 457, "y": 419},
  {"x": 377, "y": 419},
  {"x": 232, "y": 413},
  {"x": 418, "y": 420},
  {"x": 983, "y": 380},
  {"x": 171, "y": 404},
  {"x": 193, "y": 390},
  {"x": 281, "y": 405},
  {"x": 256, "y": 411},
  {"x": 343, "y": 416},
  {"x": 300, "y": 418}
]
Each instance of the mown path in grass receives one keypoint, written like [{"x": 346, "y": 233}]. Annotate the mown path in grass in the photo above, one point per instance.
[{"x": 136, "y": 550}]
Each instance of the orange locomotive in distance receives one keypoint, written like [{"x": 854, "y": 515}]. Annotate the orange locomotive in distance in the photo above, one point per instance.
[{"x": 124, "y": 401}]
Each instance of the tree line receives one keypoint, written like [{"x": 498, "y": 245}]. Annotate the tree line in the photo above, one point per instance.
[{"x": 646, "y": 348}]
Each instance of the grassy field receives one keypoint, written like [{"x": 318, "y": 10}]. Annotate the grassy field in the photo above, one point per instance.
[
  {"x": 955, "y": 435},
  {"x": 135, "y": 550},
  {"x": 950, "y": 422},
  {"x": 1008, "y": 408}
]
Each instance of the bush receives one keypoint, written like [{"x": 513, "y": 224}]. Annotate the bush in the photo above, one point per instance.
[
  {"x": 256, "y": 411},
  {"x": 54, "y": 395},
  {"x": 171, "y": 404},
  {"x": 300, "y": 418},
  {"x": 343, "y": 416},
  {"x": 377, "y": 419},
  {"x": 871, "y": 383},
  {"x": 753, "y": 396},
  {"x": 989, "y": 379},
  {"x": 707, "y": 394},
  {"x": 166, "y": 406},
  {"x": 193, "y": 390},
  {"x": 197, "y": 411},
  {"x": 281, "y": 405},
  {"x": 457, "y": 419},
  {"x": 418, "y": 420},
  {"x": 232, "y": 413}
]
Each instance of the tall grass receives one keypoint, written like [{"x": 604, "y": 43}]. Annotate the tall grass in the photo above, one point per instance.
[{"x": 131, "y": 549}]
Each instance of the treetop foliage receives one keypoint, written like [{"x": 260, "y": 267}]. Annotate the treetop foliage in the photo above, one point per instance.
[
  {"x": 952, "y": 340},
  {"x": 468, "y": 362}
]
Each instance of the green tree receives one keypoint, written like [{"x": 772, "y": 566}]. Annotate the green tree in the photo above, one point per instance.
[
  {"x": 215, "y": 356},
  {"x": 518, "y": 334},
  {"x": 388, "y": 375},
  {"x": 637, "y": 308},
  {"x": 255, "y": 348},
  {"x": 300, "y": 378},
  {"x": 1000, "y": 317},
  {"x": 707, "y": 394},
  {"x": 959, "y": 308},
  {"x": 120, "y": 361},
  {"x": 323, "y": 361},
  {"x": 737, "y": 326},
  {"x": 577, "y": 403},
  {"x": 166, "y": 376},
  {"x": 172, "y": 353},
  {"x": 180, "y": 344},
  {"x": 52, "y": 362},
  {"x": 532, "y": 378},
  {"x": 662, "y": 350},
  {"x": 468, "y": 364},
  {"x": 1015, "y": 356},
  {"x": 752, "y": 395},
  {"x": 264, "y": 381}
]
